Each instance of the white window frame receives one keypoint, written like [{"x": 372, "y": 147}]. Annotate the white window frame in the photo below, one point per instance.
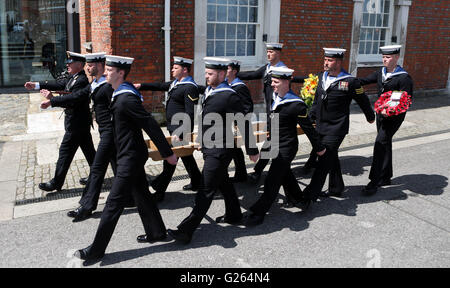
[
  {"x": 399, "y": 28},
  {"x": 269, "y": 18},
  {"x": 369, "y": 58},
  {"x": 248, "y": 60}
]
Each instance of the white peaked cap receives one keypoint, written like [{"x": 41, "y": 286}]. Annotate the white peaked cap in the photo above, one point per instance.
[
  {"x": 182, "y": 61},
  {"x": 334, "y": 52},
  {"x": 281, "y": 72},
  {"x": 391, "y": 49},
  {"x": 95, "y": 57},
  {"x": 274, "y": 46},
  {"x": 216, "y": 63},
  {"x": 119, "y": 61}
]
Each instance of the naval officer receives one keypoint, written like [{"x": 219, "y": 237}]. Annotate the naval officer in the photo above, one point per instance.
[
  {"x": 77, "y": 120},
  {"x": 234, "y": 66}
]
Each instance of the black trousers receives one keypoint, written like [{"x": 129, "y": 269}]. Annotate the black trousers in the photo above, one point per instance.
[
  {"x": 239, "y": 163},
  {"x": 262, "y": 163},
  {"x": 161, "y": 182},
  {"x": 69, "y": 146},
  {"x": 106, "y": 153},
  {"x": 214, "y": 177},
  {"x": 381, "y": 168},
  {"x": 135, "y": 186},
  {"x": 328, "y": 164},
  {"x": 280, "y": 174}
]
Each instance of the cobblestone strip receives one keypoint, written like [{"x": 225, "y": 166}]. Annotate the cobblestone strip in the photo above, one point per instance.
[{"x": 13, "y": 114}]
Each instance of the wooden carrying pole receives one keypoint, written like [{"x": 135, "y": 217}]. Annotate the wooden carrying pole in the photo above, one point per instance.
[{"x": 186, "y": 150}]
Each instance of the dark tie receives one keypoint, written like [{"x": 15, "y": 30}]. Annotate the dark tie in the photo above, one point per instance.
[{"x": 70, "y": 84}]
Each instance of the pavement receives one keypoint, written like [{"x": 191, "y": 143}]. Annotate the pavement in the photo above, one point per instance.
[{"x": 404, "y": 225}]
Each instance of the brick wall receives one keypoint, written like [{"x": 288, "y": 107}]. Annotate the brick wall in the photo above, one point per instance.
[
  {"x": 85, "y": 23},
  {"x": 305, "y": 28},
  {"x": 428, "y": 44},
  {"x": 133, "y": 28},
  {"x": 364, "y": 72},
  {"x": 136, "y": 32}
]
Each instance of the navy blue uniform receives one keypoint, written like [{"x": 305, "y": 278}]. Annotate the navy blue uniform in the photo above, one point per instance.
[
  {"x": 381, "y": 169},
  {"x": 182, "y": 97},
  {"x": 291, "y": 111},
  {"x": 247, "y": 102},
  {"x": 129, "y": 119},
  {"x": 77, "y": 123},
  {"x": 217, "y": 154},
  {"x": 263, "y": 73},
  {"x": 331, "y": 111},
  {"x": 100, "y": 92}
]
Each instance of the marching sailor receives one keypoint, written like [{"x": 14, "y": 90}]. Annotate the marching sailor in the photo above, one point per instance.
[
  {"x": 182, "y": 97},
  {"x": 100, "y": 92},
  {"x": 218, "y": 101},
  {"x": 291, "y": 110},
  {"x": 391, "y": 77},
  {"x": 129, "y": 119},
  {"x": 331, "y": 112},
  {"x": 274, "y": 51},
  {"x": 243, "y": 92},
  {"x": 77, "y": 120}
]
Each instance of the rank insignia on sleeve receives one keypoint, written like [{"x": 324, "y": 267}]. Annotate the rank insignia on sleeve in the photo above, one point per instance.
[
  {"x": 343, "y": 86},
  {"x": 192, "y": 99}
]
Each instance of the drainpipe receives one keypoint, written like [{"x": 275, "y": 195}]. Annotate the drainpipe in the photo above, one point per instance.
[{"x": 167, "y": 29}]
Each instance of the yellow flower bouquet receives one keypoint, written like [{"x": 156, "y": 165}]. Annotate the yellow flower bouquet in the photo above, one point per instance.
[{"x": 309, "y": 89}]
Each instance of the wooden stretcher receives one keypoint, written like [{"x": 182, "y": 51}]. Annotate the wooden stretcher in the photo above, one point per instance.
[
  {"x": 61, "y": 92},
  {"x": 186, "y": 150}
]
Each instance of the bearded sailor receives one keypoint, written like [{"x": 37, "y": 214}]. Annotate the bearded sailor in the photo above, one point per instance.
[
  {"x": 331, "y": 112},
  {"x": 217, "y": 142},
  {"x": 77, "y": 120}
]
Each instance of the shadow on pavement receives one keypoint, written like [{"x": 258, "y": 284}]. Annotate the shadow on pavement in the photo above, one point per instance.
[{"x": 280, "y": 218}]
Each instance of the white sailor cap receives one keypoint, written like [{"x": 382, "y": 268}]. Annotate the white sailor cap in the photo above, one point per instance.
[
  {"x": 281, "y": 72},
  {"x": 216, "y": 63},
  {"x": 274, "y": 46},
  {"x": 182, "y": 61},
  {"x": 119, "y": 61},
  {"x": 391, "y": 49},
  {"x": 334, "y": 52},
  {"x": 74, "y": 57},
  {"x": 95, "y": 57},
  {"x": 234, "y": 63}
]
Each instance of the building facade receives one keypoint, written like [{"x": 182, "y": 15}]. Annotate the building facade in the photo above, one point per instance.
[{"x": 153, "y": 31}]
